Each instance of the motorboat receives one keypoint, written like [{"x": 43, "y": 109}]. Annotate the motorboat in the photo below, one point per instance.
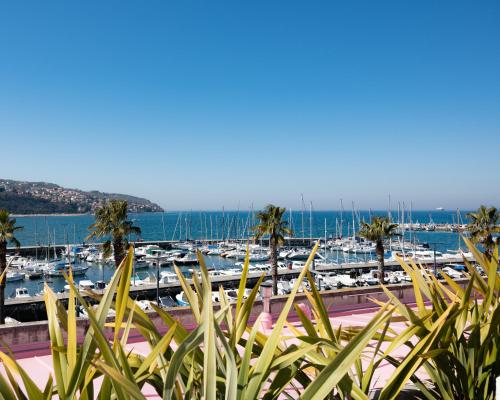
[
  {"x": 452, "y": 273},
  {"x": 346, "y": 280},
  {"x": 14, "y": 276},
  {"x": 84, "y": 314},
  {"x": 140, "y": 264},
  {"x": 186, "y": 260},
  {"x": 284, "y": 287},
  {"x": 168, "y": 277},
  {"x": 22, "y": 293},
  {"x": 59, "y": 268},
  {"x": 298, "y": 254},
  {"x": 86, "y": 285},
  {"x": 146, "y": 279}
]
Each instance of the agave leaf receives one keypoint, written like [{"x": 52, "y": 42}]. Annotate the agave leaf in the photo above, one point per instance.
[
  {"x": 160, "y": 348},
  {"x": 119, "y": 380},
  {"x": 99, "y": 337},
  {"x": 11, "y": 366},
  {"x": 243, "y": 315},
  {"x": 412, "y": 362},
  {"x": 123, "y": 292},
  {"x": 191, "y": 296},
  {"x": 89, "y": 345},
  {"x": 59, "y": 360},
  {"x": 245, "y": 362},
  {"x": 262, "y": 366},
  {"x": 319, "y": 306},
  {"x": 72, "y": 341},
  {"x": 331, "y": 375},
  {"x": 243, "y": 281},
  {"x": 209, "y": 345},
  {"x": 191, "y": 342},
  {"x": 231, "y": 378}
]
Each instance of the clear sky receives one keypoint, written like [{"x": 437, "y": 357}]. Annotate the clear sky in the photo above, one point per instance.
[{"x": 200, "y": 104}]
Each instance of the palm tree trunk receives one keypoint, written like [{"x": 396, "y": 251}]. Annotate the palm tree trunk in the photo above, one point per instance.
[
  {"x": 274, "y": 265},
  {"x": 379, "y": 249},
  {"x": 3, "y": 265},
  {"x": 118, "y": 250}
]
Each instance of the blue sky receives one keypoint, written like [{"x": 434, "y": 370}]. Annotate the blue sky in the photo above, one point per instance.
[{"x": 196, "y": 105}]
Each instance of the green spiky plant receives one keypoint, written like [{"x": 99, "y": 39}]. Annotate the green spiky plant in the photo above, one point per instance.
[{"x": 456, "y": 338}]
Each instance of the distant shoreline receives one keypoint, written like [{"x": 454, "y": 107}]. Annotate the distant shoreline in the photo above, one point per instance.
[{"x": 51, "y": 215}]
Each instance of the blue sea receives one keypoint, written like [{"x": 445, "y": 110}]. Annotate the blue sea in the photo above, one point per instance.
[{"x": 216, "y": 225}]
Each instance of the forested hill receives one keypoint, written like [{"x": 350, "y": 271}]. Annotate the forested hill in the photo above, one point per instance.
[{"x": 47, "y": 198}]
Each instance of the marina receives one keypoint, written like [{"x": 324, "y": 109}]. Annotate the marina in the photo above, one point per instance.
[
  {"x": 222, "y": 238},
  {"x": 337, "y": 265}
]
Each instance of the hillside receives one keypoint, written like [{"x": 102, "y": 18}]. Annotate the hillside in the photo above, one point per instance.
[{"x": 47, "y": 198}]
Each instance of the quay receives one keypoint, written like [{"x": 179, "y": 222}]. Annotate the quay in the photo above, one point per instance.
[{"x": 164, "y": 244}]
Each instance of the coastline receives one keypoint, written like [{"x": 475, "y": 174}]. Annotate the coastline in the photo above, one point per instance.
[{"x": 51, "y": 215}]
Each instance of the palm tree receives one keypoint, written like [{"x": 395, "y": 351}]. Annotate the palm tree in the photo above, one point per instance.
[
  {"x": 8, "y": 229},
  {"x": 379, "y": 229},
  {"x": 482, "y": 225},
  {"x": 273, "y": 225},
  {"x": 111, "y": 221}
]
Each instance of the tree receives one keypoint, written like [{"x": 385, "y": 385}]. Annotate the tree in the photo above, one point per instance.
[
  {"x": 482, "y": 225},
  {"x": 111, "y": 222},
  {"x": 377, "y": 231},
  {"x": 8, "y": 229},
  {"x": 272, "y": 224}
]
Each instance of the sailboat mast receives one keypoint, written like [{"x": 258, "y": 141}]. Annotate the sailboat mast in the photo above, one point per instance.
[
  {"x": 310, "y": 221},
  {"x": 163, "y": 224},
  {"x": 325, "y": 238},
  {"x": 353, "y": 219},
  {"x": 303, "y": 231},
  {"x": 222, "y": 229},
  {"x": 341, "y": 219}
]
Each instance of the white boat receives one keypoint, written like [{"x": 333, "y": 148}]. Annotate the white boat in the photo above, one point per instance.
[
  {"x": 142, "y": 281},
  {"x": 144, "y": 305},
  {"x": 83, "y": 312},
  {"x": 452, "y": 273},
  {"x": 231, "y": 294},
  {"x": 86, "y": 285},
  {"x": 22, "y": 293},
  {"x": 284, "y": 287},
  {"x": 168, "y": 277},
  {"x": 59, "y": 268},
  {"x": 346, "y": 280},
  {"x": 259, "y": 257},
  {"x": 186, "y": 260},
  {"x": 14, "y": 277},
  {"x": 300, "y": 254}
]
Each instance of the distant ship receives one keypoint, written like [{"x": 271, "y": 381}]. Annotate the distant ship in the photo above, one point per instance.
[{"x": 439, "y": 208}]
